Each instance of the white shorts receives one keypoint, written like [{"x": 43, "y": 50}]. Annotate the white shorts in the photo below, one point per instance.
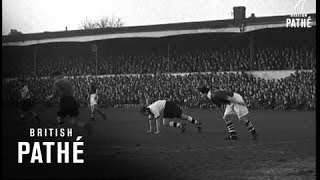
[
  {"x": 237, "y": 109},
  {"x": 93, "y": 100}
]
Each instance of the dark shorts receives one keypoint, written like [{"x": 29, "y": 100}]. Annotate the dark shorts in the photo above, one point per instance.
[
  {"x": 68, "y": 106},
  {"x": 171, "y": 110},
  {"x": 25, "y": 105}
]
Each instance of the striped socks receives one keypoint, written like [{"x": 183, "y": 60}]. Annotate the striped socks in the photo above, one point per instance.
[
  {"x": 92, "y": 115},
  {"x": 175, "y": 124},
  {"x": 192, "y": 120},
  {"x": 231, "y": 130},
  {"x": 250, "y": 127}
]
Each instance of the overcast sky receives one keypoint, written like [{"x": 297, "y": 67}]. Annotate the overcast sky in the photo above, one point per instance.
[{"x": 30, "y": 16}]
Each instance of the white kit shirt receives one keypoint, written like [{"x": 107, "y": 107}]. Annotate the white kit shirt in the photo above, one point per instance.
[{"x": 157, "y": 108}]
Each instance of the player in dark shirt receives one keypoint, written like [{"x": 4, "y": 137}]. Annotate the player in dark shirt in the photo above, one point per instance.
[
  {"x": 93, "y": 88},
  {"x": 234, "y": 104},
  {"x": 26, "y": 103},
  {"x": 93, "y": 94},
  {"x": 69, "y": 106}
]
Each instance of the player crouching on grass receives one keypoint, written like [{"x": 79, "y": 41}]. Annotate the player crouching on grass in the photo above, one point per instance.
[
  {"x": 170, "y": 111},
  {"x": 68, "y": 104},
  {"x": 234, "y": 105}
]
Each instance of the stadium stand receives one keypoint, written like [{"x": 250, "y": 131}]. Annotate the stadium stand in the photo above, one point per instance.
[
  {"x": 153, "y": 61},
  {"x": 135, "y": 62},
  {"x": 294, "y": 92}
]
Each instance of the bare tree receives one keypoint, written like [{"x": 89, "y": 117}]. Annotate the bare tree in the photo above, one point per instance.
[
  {"x": 87, "y": 24},
  {"x": 104, "y": 22}
]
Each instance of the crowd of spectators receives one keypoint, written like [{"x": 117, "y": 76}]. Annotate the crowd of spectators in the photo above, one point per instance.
[
  {"x": 142, "y": 62},
  {"x": 294, "y": 92}
]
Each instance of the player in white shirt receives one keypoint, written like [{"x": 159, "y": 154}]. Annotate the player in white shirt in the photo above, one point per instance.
[
  {"x": 234, "y": 105},
  {"x": 25, "y": 102},
  {"x": 169, "y": 110},
  {"x": 94, "y": 101}
]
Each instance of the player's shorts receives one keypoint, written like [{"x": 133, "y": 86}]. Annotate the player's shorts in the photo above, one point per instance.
[
  {"x": 68, "y": 106},
  {"x": 171, "y": 110},
  {"x": 25, "y": 105},
  {"x": 93, "y": 100},
  {"x": 237, "y": 109}
]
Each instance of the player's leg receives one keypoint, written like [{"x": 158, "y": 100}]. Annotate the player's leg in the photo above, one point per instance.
[
  {"x": 80, "y": 124},
  {"x": 190, "y": 119},
  {"x": 250, "y": 127},
  {"x": 93, "y": 106},
  {"x": 169, "y": 122},
  {"x": 100, "y": 112},
  {"x": 92, "y": 111},
  {"x": 172, "y": 111},
  {"x": 63, "y": 111},
  {"x": 229, "y": 112},
  {"x": 242, "y": 112},
  {"x": 150, "y": 126},
  {"x": 60, "y": 118},
  {"x": 157, "y": 126}
]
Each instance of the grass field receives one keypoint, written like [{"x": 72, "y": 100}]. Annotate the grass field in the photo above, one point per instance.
[{"x": 119, "y": 148}]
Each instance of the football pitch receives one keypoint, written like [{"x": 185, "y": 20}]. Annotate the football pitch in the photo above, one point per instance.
[{"x": 119, "y": 148}]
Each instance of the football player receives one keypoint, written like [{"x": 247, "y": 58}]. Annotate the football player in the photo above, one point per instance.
[
  {"x": 234, "y": 105},
  {"x": 94, "y": 101},
  {"x": 169, "y": 110},
  {"x": 25, "y": 102},
  {"x": 68, "y": 104}
]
